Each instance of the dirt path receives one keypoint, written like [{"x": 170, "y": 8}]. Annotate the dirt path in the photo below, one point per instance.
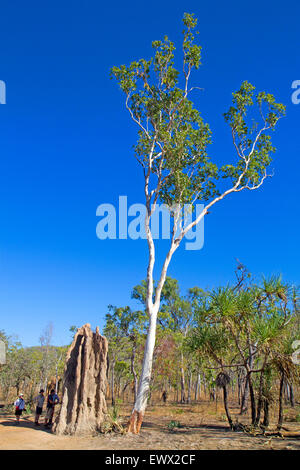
[{"x": 210, "y": 434}]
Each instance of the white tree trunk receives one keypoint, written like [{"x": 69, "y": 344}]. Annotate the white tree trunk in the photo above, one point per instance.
[
  {"x": 198, "y": 387},
  {"x": 182, "y": 380},
  {"x": 145, "y": 378}
]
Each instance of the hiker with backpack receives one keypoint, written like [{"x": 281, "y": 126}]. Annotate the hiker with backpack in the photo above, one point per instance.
[{"x": 20, "y": 406}]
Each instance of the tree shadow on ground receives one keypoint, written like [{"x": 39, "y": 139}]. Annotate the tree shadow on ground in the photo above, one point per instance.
[
  {"x": 184, "y": 429},
  {"x": 204, "y": 430},
  {"x": 151, "y": 425},
  {"x": 213, "y": 427},
  {"x": 25, "y": 423}
]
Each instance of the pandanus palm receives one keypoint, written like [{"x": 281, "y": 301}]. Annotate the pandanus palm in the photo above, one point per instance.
[{"x": 222, "y": 381}]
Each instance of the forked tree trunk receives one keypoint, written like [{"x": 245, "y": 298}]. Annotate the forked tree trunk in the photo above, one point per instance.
[
  {"x": 140, "y": 404},
  {"x": 260, "y": 400},
  {"x": 83, "y": 403},
  {"x": 248, "y": 385}
]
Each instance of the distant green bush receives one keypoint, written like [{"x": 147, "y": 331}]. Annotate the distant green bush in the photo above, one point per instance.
[{"x": 174, "y": 424}]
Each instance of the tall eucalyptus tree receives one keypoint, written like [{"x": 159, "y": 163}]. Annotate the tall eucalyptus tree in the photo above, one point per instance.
[{"x": 172, "y": 152}]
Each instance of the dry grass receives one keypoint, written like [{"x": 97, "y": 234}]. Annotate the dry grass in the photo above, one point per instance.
[{"x": 202, "y": 425}]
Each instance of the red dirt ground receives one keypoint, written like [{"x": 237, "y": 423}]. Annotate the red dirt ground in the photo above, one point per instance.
[{"x": 203, "y": 428}]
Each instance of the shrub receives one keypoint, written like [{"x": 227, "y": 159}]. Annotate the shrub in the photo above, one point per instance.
[
  {"x": 113, "y": 422},
  {"x": 174, "y": 424}
]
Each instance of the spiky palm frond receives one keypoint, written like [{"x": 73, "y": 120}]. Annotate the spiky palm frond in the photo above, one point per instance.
[{"x": 222, "y": 380}]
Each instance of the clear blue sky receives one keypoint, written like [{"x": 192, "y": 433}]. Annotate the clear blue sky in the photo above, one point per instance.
[{"x": 66, "y": 147}]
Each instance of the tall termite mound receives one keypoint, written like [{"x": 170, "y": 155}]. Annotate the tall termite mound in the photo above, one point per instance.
[{"x": 83, "y": 395}]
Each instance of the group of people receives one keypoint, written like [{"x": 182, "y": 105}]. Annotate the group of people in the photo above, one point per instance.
[{"x": 52, "y": 401}]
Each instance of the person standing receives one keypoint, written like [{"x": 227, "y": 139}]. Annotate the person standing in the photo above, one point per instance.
[
  {"x": 52, "y": 401},
  {"x": 20, "y": 406},
  {"x": 164, "y": 396},
  {"x": 39, "y": 406}
]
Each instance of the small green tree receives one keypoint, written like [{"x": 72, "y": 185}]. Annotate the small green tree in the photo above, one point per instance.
[
  {"x": 123, "y": 328},
  {"x": 248, "y": 329}
]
